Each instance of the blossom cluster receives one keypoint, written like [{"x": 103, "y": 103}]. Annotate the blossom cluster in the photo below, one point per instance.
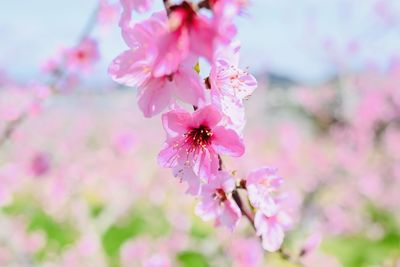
[{"x": 163, "y": 63}]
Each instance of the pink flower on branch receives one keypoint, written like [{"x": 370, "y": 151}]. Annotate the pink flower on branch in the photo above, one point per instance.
[
  {"x": 190, "y": 32},
  {"x": 260, "y": 185},
  {"x": 271, "y": 229},
  {"x": 135, "y": 68},
  {"x": 83, "y": 56},
  {"x": 216, "y": 202},
  {"x": 270, "y": 221},
  {"x": 195, "y": 140},
  {"x": 230, "y": 85}
]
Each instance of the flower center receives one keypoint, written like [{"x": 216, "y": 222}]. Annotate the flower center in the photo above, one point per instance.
[
  {"x": 182, "y": 15},
  {"x": 220, "y": 195},
  {"x": 198, "y": 138},
  {"x": 81, "y": 55}
]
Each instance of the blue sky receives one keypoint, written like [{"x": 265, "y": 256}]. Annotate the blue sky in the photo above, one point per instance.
[{"x": 307, "y": 40}]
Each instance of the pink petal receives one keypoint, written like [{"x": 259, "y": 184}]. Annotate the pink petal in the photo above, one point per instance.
[
  {"x": 270, "y": 230},
  {"x": 154, "y": 96},
  {"x": 172, "y": 49},
  {"x": 166, "y": 157},
  {"x": 226, "y": 141},
  {"x": 189, "y": 86},
  {"x": 206, "y": 164},
  {"x": 230, "y": 215},
  {"x": 273, "y": 238},
  {"x": 207, "y": 209},
  {"x": 202, "y": 38},
  {"x": 208, "y": 116},
  {"x": 176, "y": 122},
  {"x": 186, "y": 174},
  {"x": 129, "y": 68}
]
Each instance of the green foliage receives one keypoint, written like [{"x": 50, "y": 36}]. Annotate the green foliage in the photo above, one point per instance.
[
  {"x": 58, "y": 234},
  {"x": 140, "y": 221},
  {"x": 192, "y": 259},
  {"x": 96, "y": 210}
]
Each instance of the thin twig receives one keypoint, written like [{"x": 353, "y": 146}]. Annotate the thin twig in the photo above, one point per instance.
[{"x": 10, "y": 128}]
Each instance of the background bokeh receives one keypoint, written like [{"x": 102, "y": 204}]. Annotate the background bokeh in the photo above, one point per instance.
[{"x": 79, "y": 181}]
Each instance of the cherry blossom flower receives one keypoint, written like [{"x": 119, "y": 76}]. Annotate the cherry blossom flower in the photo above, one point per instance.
[
  {"x": 83, "y": 56},
  {"x": 135, "y": 68},
  {"x": 230, "y": 86},
  {"x": 196, "y": 139},
  {"x": 260, "y": 184},
  {"x": 188, "y": 33},
  {"x": 271, "y": 229},
  {"x": 216, "y": 204}
]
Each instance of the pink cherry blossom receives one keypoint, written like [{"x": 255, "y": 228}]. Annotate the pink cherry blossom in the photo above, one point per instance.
[
  {"x": 230, "y": 86},
  {"x": 189, "y": 32},
  {"x": 270, "y": 229},
  {"x": 195, "y": 140},
  {"x": 83, "y": 56},
  {"x": 135, "y": 68},
  {"x": 216, "y": 204},
  {"x": 260, "y": 184}
]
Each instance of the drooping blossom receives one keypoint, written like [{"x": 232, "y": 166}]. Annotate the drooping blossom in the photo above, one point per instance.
[
  {"x": 271, "y": 229},
  {"x": 270, "y": 220},
  {"x": 216, "y": 202},
  {"x": 135, "y": 68},
  {"x": 83, "y": 56},
  {"x": 196, "y": 139},
  {"x": 260, "y": 184},
  {"x": 230, "y": 86}
]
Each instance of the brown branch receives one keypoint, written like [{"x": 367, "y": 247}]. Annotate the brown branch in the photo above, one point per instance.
[
  {"x": 204, "y": 4},
  {"x": 248, "y": 214},
  {"x": 167, "y": 6},
  {"x": 10, "y": 128}
]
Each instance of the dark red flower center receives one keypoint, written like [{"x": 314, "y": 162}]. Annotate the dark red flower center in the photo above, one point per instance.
[
  {"x": 81, "y": 55},
  {"x": 198, "y": 138},
  {"x": 185, "y": 12},
  {"x": 220, "y": 195}
]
